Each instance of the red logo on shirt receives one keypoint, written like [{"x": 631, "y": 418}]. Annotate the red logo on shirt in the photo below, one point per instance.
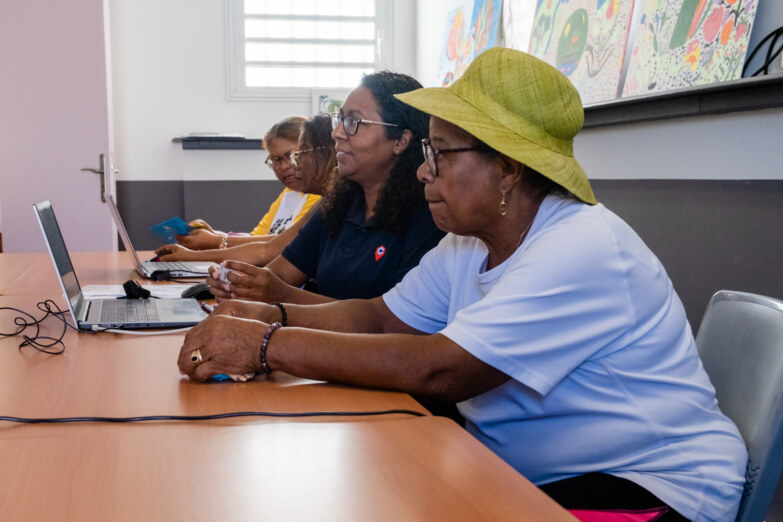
[{"x": 379, "y": 252}]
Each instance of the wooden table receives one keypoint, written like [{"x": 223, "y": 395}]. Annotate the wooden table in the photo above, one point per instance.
[
  {"x": 390, "y": 467},
  {"x": 109, "y": 374},
  {"x": 14, "y": 267},
  {"x": 422, "y": 469},
  {"x": 92, "y": 268}
]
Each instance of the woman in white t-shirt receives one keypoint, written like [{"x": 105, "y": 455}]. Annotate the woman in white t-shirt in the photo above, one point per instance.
[
  {"x": 541, "y": 314},
  {"x": 311, "y": 177},
  {"x": 287, "y": 210}
]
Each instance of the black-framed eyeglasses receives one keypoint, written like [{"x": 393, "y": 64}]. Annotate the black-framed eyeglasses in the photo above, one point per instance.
[
  {"x": 351, "y": 124},
  {"x": 431, "y": 154},
  {"x": 296, "y": 153},
  {"x": 274, "y": 162}
]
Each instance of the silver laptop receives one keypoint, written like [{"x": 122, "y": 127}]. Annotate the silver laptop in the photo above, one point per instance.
[
  {"x": 96, "y": 314},
  {"x": 175, "y": 269}
]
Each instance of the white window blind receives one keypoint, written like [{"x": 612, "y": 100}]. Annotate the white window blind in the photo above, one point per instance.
[{"x": 285, "y": 48}]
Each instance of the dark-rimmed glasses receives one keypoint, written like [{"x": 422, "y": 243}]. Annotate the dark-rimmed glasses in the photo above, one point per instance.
[
  {"x": 296, "y": 153},
  {"x": 274, "y": 162},
  {"x": 431, "y": 154},
  {"x": 351, "y": 124}
]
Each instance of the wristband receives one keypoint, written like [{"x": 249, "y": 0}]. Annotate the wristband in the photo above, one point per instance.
[
  {"x": 265, "y": 344},
  {"x": 281, "y": 306}
]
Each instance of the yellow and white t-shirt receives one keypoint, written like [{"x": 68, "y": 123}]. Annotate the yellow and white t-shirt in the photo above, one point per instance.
[{"x": 287, "y": 209}]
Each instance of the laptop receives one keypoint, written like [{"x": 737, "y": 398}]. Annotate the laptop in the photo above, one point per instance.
[
  {"x": 148, "y": 269},
  {"x": 98, "y": 314}
]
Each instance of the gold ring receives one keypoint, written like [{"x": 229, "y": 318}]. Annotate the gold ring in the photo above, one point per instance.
[{"x": 195, "y": 356}]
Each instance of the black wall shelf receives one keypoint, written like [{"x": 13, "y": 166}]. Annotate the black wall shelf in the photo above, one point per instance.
[
  {"x": 746, "y": 94},
  {"x": 219, "y": 143}
]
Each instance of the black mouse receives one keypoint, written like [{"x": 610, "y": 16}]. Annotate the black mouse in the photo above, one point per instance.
[{"x": 199, "y": 291}]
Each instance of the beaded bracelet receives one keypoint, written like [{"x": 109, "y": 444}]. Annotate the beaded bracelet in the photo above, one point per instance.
[
  {"x": 223, "y": 241},
  {"x": 281, "y": 306},
  {"x": 265, "y": 344}
]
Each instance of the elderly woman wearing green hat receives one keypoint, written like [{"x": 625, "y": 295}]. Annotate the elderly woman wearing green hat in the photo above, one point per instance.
[{"x": 541, "y": 313}]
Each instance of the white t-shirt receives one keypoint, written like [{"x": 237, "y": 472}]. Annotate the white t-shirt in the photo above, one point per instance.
[{"x": 605, "y": 376}]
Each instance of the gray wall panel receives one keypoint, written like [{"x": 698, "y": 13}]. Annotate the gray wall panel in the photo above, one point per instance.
[
  {"x": 709, "y": 235},
  {"x": 226, "y": 205}
]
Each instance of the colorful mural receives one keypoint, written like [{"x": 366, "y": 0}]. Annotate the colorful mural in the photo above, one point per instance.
[
  {"x": 586, "y": 41},
  {"x": 457, "y": 47},
  {"x": 484, "y": 25},
  {"x": 463, "y": 40},
  {"x": 680, "y": 43}
]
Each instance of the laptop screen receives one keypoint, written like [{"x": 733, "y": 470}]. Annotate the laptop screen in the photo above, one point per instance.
[
  {"x": 56, "y": 244},
  {"x": 115, "y": 214}
]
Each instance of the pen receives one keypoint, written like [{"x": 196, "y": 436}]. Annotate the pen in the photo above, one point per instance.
[{"x": 207, "y": 307}]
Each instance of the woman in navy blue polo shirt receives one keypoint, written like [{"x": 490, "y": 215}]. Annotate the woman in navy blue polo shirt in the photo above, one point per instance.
[{"x": 373, "y": 224}]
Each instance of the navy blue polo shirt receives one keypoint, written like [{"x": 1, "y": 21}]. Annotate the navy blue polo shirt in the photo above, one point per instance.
[{"x": 362, "y": 260}]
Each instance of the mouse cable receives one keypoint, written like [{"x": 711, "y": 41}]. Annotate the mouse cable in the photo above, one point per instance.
[
  {"x": 42, "y": 343},
  {"x": 59, "y": 420},
  {"x": 140, "y": 332}
]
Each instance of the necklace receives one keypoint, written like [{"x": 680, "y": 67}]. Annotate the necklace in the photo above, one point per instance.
[
  {"x": 522, "y": 236},
  {"x": 529, "y": 224}
]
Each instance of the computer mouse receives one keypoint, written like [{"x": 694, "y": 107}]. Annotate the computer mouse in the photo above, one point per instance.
[{"x": 199, "y": 291}]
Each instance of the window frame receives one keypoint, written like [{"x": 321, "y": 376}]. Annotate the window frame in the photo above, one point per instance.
[{"x": 235, "y": 55}]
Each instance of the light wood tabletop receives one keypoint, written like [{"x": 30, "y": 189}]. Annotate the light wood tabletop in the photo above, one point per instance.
[
  {"x": 16, "y": 266},
  {"x": 91, "y": 268},
  {"x": 110, "y": 374},
  {"x": 389, "y": 467},
  {"x": 421, "y": 469}
]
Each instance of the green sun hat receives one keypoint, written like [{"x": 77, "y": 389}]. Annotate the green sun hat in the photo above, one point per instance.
[{"x": 519, "y": 106}]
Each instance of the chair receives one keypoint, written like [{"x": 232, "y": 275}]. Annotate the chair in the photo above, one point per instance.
[{"x": 740, "y": 342}]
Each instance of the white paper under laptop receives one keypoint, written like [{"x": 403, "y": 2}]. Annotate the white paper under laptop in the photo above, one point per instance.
[
  {"x": 176, "y": 269},
  {"x": 94, "y": 314}
]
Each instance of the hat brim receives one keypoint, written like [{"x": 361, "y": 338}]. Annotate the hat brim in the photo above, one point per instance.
[{"x": 446, "y": 105}]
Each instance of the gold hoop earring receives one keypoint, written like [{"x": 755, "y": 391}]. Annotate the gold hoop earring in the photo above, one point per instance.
[{"x": 503, "y": 207}]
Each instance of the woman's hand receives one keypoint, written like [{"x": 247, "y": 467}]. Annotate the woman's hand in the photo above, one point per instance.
[
  {"x": 174, "y": 252},
  {"x": 227, "y": 345},
  {"x": 200, "y": 239},
  {"x": 200, "y": 223},
  {"x": 248, "y": 310},
  {"x": 252, "y": 283}
]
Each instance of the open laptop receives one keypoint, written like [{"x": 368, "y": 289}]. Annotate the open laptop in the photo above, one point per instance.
[
  {"x": 97, "y": 314},
  {"x": 175, "y": 269}
]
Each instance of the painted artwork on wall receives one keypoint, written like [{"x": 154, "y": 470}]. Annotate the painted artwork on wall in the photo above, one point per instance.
[
  {"x": 457, "y": 46},
  {"x": 586, "y": 41},
  {"x": 680, "y": 43},
  {"x": 466, "y": 36},
  {"x": 518, "y": 18},
  {"x": 484, "y": 25}
]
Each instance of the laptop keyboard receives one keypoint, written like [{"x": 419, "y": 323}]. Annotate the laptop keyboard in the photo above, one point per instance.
[
  {"x": 128, "y": 311},
  {"x": 172, "y": 266}
]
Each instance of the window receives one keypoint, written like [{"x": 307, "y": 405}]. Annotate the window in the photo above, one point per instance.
[{"x": 282, "y": 49}]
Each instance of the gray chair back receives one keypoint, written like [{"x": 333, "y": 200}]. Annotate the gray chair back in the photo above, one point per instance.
[{"x": 740, "y": 342}]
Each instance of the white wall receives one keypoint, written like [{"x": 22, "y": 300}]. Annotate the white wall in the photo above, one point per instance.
[{"x": 169, "y": 71}]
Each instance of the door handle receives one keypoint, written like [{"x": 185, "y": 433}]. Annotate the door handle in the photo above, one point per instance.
[{"x": 100, "y": 171}]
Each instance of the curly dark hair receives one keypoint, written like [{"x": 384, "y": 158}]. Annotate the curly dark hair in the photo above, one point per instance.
[
  {"x": 402, "y": 193},
  {"x": 317, "y": 133}
]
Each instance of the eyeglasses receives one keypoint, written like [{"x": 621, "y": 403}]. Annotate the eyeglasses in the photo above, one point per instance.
[
  {"x": 431, "y": 154},
  {"x": 351, "y": 124},
  {"x": 274, "y": 162},
  {"x": 295, "y": 154}
]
